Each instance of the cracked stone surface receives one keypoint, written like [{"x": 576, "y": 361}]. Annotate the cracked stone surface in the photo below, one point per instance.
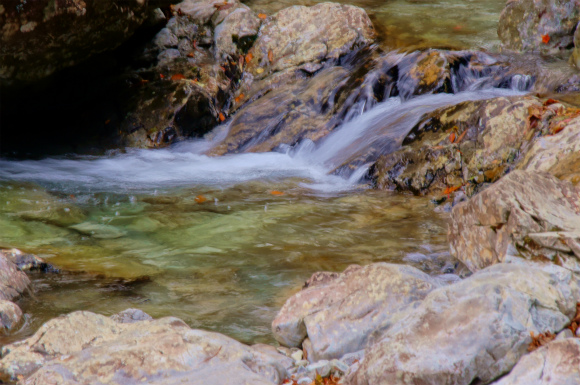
[
  {"x": 339, "y": 313},
  {"x": 524, "y": 215},
  {"x": 472, "y": 331}
]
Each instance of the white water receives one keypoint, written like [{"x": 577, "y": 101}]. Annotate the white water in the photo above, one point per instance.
[{"x": 183, "y": 164}]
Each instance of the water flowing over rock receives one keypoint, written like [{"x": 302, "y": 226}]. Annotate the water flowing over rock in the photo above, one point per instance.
[
  {"x": 525, "y": 214},
  {"x": 40, "y": 37},
  {"x": 340, "y": 312},
  {"x": 84, "y": 347},
  {"x": 472, "y": 331},
  {"x": 465, "y": 144},
  {"x": 545, "y": 26},
  {"x": 557, "y": 363}
]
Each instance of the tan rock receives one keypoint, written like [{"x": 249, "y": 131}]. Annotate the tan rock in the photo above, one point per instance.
[{"x": 10, "y": 316}]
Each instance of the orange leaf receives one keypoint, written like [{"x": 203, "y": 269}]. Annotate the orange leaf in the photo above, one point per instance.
[
  {"x": 200, "y": 199},
  {"x": 262, "y": 16},
  {"x": 249, "y": 57},
  {"x": 274, "y": 192},
  {"x": 270, "y": 56},
  {"x": 239, "y": 97},
  {"x": 550, "y": 102},
  {"x": 190, "y": 54},
  {"x": 458, "y": 28},
  {"x": 178, "y": 77},
  {"x": 449, "y": 190},
  {"x": 461, "y": 136},
  {"x": 162, "y": 76},
  {"x": 452, "y": 137},
  {"x": 107, "y": 121},
  {"x": 545, "y": 39},
  {"x": 222, "y": 117}
]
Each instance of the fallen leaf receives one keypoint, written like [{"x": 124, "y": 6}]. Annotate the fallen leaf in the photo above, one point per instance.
[
  {"x": 162, "y": 76},
  {"x": 452, "y": 137},
  {"x": 249, "y": 57},
  {"x": 178, "y": 77},
  {"x": 458, "y": 28},
  {"x": 222, "y": 117},
  {"x": 259, "y": 70},
  {"x": 545, "y": 39},
  {"x": 190, "y": 54},
  {"x": 540, "y": 340},
  {"x": 239, "y": 97},
  {"x": 107, "y": 121},
  {"x": 200, "y": 199},
  {"x": 461, "y": 136},
  {"x": 449, "y": 190},
  {"x": 550, "y": 102},
  {"x": 275, "y": 192},
  {"x": 262, "y": 16},
  {"x": 270, "y": 56}
]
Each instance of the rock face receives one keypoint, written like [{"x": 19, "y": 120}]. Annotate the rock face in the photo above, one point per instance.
[
  {"x": 525, "y": 214},
  {"x": 338, "y": 313},
  {"x": 462, "y": 145},
  {"x": 10, "y": 316},
  {"x": 557, "y": 154},
  {"x": 306, "y": 36},
  {"x": 13, "y": 282},
  {"x": 472, "y": 331},
  {"x": 87, "y": 348},
  {"x": 545, "y": 26},
  {"x": 41, "y": 37},
  {"x": 557, "y": 363}
]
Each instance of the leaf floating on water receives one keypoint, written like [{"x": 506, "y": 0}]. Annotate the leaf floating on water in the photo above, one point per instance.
[
  {"x": 222, "y": 117},
  {"x": 178, "y": 77},
  {"x": 200, "y": 199},
  {"x": 275, "y": 192},
  {"x": 545, "y": 39},
  {"x": 262, "y": 16},
  {"x": 270, "y": 56}
]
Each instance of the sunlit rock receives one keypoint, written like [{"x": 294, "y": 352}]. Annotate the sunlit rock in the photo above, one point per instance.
[
  {"x": 339, "y": 313},
  {"x": 524, "y": 215},
  {"x": 84, "y": 347},
  {"x": 472, "y": 331}
]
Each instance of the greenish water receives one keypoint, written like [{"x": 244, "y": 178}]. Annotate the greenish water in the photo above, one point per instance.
[
  {"x": 225, "y": 264},
  {"x": 415, "y": 24}
]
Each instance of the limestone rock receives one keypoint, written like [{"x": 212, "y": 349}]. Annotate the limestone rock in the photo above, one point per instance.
[
  {"x": 525, "y": 25},
  {"x": 299, "y": 35},
  {"x": 43, "y": 36},
  {"x": 10, "y": 316},
  {"x": 472, "y": 331},
  {"x": 557, "y": 154},
  {"x": 236, "y": 33},
  {"x": 557, "y": 363},
  {"x": 13, "y": 282},
  {"x": 525, "y": 214},
  {"x": 339, "y": 315},
  {"x": 87, "y": 348}
]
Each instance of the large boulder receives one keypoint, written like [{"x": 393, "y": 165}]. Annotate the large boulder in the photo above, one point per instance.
[
  {"x": 545, "y": 26},
  {"x": 525, "y": 214},
  {"x": 43, "y": 36},
  {"x": 557, "y": 363},
  {"x": 13, "y": 282},
  {"x": 301, "y": 36},
  {"x": 88, "y": 348},
  {"x": 473, "y": 331},
  {"x": 339, "y": 313},
  {"x": 10, "y": 316}
]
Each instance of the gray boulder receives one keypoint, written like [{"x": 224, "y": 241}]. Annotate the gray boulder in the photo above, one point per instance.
[
  {"x": 557, "y": 363},
  {"x": 340, "y": 312},
  {"x": 525, "y": 214},
  {"x": 473, "y": 331},
  {"x": 88, "y": 348}
]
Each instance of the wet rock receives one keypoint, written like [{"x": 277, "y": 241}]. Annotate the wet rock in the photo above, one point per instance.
[
  {"x": 473, "y": 331},
  {"x": 575, "y": 58},
  {"x": 84, "y": 347},
  {"x": 424, "y": 73},
  {"x": 99, "y": 231},
  {"x": 557, "y": 363},
  {"x": 466, "y": 144},
  {"x": 557, "y": 154},
  {"x": 41, "y": 37},
  {"x": 10, "y": 316},
  {"x": 524, "y": 215},
  {"x": 131, "y": 316},
  {"x": 437, "y": 263},
  {"x": 340, "y": 315},
  {"x": 13, "y": 282},
  {"x": 237, "y": 32},
  {"x": 295, "y": 112},
  {"x": 545, "y": 26},
  {"x": 300, "y": 36},
  {"x": 27, "y": 262}
]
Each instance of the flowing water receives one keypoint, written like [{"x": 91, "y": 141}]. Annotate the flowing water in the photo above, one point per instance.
[{"x": 222, "y": 242}]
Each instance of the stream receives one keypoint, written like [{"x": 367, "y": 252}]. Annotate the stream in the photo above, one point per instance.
[{"x": 221, "y": 242}]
